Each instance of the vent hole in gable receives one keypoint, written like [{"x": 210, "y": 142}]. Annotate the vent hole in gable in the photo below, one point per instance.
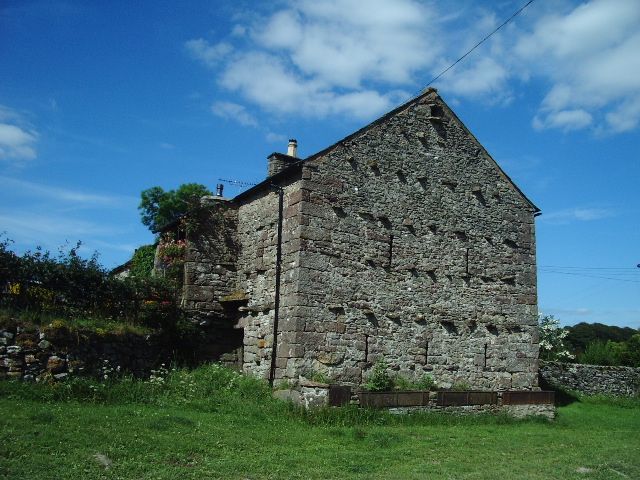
[
  {"x": 510, "y": 243},
  {"x": 450, "y": 185},
  {"x": 339, "y": 211},
  {"x": 386, "y": 223},
  {"x": 480, "y": 198},
  {"x": 366, "y": 216},
  {"x": 460, "y": 235},
  {"x": 449, "y": 327}
]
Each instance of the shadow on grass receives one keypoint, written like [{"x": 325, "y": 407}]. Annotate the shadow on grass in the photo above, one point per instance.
[{"x": 563, "y": 397}]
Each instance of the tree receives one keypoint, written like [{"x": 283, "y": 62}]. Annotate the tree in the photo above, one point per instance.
[
  {"x": 583, "y": 334},
  {"x": 552, "y": 338},
  {"x": 159, "y": 208}
]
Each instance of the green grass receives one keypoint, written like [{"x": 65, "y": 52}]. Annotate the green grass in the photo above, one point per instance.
[{"x": 211, "y": 423}]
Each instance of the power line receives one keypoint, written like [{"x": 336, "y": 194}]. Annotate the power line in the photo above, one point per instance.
[
  {"x": 589, "y": 268},
  {"x": 480, "y": 42},
  {"x": 591, "y": 276}
]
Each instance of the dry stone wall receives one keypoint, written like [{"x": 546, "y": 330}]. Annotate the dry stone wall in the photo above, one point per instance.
[
  {"x": 56, "y": 353},
  {"x": 591, "y": 379},
  {"x": 416, "y": 249}
]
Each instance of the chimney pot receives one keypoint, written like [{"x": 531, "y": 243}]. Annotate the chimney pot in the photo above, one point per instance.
[{"x": 292, "y": 150}]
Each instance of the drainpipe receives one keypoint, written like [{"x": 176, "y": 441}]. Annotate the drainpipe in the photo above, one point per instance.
[{"x": 276, "y": 314}]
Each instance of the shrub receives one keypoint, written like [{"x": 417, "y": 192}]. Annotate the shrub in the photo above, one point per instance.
[
  {"x": 552, "y": 339},
  {"x": 40, "y": 285},
  {"x": 426, "y": 382},
  {"x": 460, "y": 386},
  {"x": 379, "y": 380},
  {"x": 601, "y": 353}
]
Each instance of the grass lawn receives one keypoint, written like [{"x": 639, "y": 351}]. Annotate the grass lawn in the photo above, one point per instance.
[{"x": 197, "y": 425}]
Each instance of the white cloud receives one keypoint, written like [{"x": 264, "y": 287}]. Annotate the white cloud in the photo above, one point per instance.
[
  {"x": 234, "y": 111},
  {"x": 281, "y": 90},
  {"x": 482, "y": 77},
  {"x": 275, "y": 138},
  {"x": 591, "y": 56},
  {"x": 342, "y": 43},
  {"x": 352, "y": 58},
  {"x": 17, "y": 139},
  {"x": 328, "y": 58},
  {"x": 239, "y": 31},
  {"x": 563, "y": 119},
  {"x": 79, "y": 199},
  {"x": 36, "y": 227},
  {"x": 577, "y": 214},
  {"x": 16, "y": 143},
  {"x": 207, "y": 53}
]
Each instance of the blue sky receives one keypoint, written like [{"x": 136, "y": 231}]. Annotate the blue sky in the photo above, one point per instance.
[{"x": 100, "y": 100}]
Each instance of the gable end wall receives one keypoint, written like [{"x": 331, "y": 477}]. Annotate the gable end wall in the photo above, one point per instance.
[{"x": 417, "y": 249}]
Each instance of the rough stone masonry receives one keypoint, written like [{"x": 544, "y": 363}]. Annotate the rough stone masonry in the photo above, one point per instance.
[{"x": 404, "y": 241}]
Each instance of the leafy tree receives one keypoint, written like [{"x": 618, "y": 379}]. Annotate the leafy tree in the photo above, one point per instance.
[
  {"x": 582, "y": 334},
  {"x": 613, "y": 353},
  {"x": 9, "y": 262},
  {"x": 552, "y": 338},
  {"x": 631, "y": 356},
  {"x": 159, "y": 208}
]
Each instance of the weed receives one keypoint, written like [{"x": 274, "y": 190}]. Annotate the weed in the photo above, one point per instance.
[
  {"x": 460, "y": 386},
  {"x": 379, "y": 380}
]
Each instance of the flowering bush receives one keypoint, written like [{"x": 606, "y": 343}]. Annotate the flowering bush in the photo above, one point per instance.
[
  {"x": 171, "y": 251},
  {"x": 552, "y": 337}
]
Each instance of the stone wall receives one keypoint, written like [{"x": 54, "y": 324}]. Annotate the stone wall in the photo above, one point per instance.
[
  {"x": 403, "y": 242},
  {"x": 417, "y": 249},
  {"x": 210, "y": 297},
  {"x": 257, "y": 234},
  {"x": 591, "y": 379},
  {"x": 210, "y": 263},
  {"x": 33, "y": 354}
]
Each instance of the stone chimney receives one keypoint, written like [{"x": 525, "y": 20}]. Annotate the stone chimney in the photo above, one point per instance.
[{"x": 280, "y": 161}]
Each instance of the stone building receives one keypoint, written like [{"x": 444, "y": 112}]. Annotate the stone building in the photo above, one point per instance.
[{"x": 404, "y": 241}]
